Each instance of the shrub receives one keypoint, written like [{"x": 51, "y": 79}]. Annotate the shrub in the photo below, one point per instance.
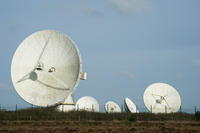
[
  {"x": 197, "y": 116},
  {"x": 132, "y": 117}
]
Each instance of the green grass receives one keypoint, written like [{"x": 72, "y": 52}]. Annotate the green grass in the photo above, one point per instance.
[{"x": 50, "y": 113}]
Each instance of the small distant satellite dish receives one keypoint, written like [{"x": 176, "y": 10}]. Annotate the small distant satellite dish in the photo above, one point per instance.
[
  {"x": 112, "y": 107},
  {"x": 87, "y": 103},
  {"x": 46, "y": 68},
  {"x": 130, "y": 106},
  {"x": 161, "y": 98}
]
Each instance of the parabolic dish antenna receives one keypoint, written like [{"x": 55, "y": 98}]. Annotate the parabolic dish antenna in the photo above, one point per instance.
[
  {"x": 46, "y": 68},
  {"x": 87, "y": 103},
  {"x": 130, "y": 106},
  {"x": 112, "y": 107},
  {"x": 161, "y": 98}
]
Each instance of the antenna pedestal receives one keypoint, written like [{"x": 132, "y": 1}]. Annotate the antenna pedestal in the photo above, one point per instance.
[{"x": 67, "y": 105}]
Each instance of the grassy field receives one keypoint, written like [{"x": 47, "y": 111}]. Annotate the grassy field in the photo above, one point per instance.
[
  {"x": 114, "y": 126},
  {"x": 51, "y": 113}
]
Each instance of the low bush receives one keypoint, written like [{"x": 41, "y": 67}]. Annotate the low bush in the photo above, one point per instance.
[{"x": 197, "y": 116}]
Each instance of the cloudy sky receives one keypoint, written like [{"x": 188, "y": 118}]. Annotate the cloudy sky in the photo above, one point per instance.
[{"x": 126, "y": 45}]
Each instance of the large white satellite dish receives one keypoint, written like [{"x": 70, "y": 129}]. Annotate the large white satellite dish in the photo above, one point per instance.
[
  {"x": 46, "y": 68},
  {"x": 112, "y": 107},
  {"x": 87, "y": 103},
  {"x": 161, "y": 98},
  {"x": 130, "y": 106}
]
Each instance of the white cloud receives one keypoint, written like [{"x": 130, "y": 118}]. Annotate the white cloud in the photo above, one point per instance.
[
  {"x": 92, "y": 12},
  {"x": 127, "y": 74},
  {"x": 131, "y": 6}
]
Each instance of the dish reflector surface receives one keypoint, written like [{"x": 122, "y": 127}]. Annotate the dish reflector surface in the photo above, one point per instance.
[
  {"x": 130, "y": 106},
  {"x": 161, "y": 98},
  {"x": 87, "y": 103},
  {"x": 45, "y": 68},
  {"x": 112, "y": 107}
]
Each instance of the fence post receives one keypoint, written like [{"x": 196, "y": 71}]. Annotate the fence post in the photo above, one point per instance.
[
  {"x": 47, "y": 112},
  {"x": 63, "y": 112},
  {"x": 195, "y": 110},
  {"x": 32, "y": 111},
  {"x": 79, "y": 118},
  {"x": 180, "y": 113},
  {"x": 92, "y": 108},
  {"x": 151, "y": 112},
  {"x": 62, "y": 108},
  {"x": 107, "y": 112},
  {"x": 16, "y": 107},
  {"x": 0, "y": 110},
  {"x": 136, "y": 113},
  {"x": 16, "y": 112}
]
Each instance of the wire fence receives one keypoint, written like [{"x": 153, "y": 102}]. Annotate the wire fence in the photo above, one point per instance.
[
  {"x": 191, "y": 110},
  {"x": 14, "y": 107},
  {"x": 17, "y": 112}
]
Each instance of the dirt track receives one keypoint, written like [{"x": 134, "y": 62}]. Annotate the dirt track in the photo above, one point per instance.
[{"x": 99, "y": 127}]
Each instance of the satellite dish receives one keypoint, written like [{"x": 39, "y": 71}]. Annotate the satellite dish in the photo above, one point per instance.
[
  {"x": 130, "y": 106},
  {"x": 112, "y": 107},
  {"x": 161, "y": 98},
  {"x": 87, "y": 103},
  {"x": 46, "y": 68}
]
